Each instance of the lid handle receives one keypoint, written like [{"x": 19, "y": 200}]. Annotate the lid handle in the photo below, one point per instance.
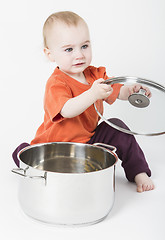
[{"x": 139, "y": 99}]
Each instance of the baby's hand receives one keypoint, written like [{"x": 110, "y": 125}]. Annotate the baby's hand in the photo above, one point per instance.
[
  {"x": 100, "y": 90},
  {"x": 136, "y": 87},
  {"x": 127, "y": 90}
]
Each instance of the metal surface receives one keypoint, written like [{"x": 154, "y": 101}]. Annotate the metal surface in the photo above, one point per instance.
[
  {"x": 135, "y": 80},
  {"x": 139, "y": 99},
  {"x": 106, "y": 146},
  {"x": 80, "y": 182},
  {"x": 144, "y": 100},
  {"x": 22, "y": 172},
  {"x": 67, "y": 157}
]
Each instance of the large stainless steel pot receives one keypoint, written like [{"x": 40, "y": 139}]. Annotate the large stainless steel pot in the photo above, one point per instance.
[{"x": 67, "y": 183}]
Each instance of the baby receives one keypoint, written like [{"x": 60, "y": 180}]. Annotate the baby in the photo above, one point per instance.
[{"x": 74, "y": 87}]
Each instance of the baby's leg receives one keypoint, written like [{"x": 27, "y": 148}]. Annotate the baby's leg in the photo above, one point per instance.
[{"x": 128, "y": 151}]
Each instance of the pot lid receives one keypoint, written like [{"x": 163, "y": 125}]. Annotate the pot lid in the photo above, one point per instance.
[{"x": 142, "y": 115}]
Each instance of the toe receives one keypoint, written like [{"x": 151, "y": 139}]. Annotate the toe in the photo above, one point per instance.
[
  {"x": 140, "y": 188},
  {"x": 146, "y": 187}
]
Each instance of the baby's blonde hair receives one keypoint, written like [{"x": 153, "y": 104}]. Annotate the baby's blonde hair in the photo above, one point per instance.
[{"x": 67, "y": 17}]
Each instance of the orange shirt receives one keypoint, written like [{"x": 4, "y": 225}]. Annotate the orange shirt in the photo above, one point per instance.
[{"x": 59, "y": 89}]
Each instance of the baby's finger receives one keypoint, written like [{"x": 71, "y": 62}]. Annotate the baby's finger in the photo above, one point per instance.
[
  {"x": 131, "y": 90},
  {"x": 106, "y": 87},
  {"x": 100, "y": 80},
  {"x": 148, "y": 92},
  {"x": 108, "y": 94},
  {"x": 136, "y": 88}
]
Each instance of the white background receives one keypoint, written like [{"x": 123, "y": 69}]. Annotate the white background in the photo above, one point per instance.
[{"x": 128, "y": 38}]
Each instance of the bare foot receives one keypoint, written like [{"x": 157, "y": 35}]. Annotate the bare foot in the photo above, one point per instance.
[{"x": 143, "y": 182}]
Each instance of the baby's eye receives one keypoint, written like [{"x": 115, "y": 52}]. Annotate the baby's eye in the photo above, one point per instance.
[
  {"x": 68, "y": 49},
  {"x": 84, "y": 46}
]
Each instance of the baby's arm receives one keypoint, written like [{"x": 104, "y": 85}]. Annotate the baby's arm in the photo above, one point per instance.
[
  {"x": 75, "y": 106},
  {"x": 127, "y": 90}
]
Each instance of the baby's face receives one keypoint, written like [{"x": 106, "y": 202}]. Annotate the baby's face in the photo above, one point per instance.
[{"x": 69, "y": 47}]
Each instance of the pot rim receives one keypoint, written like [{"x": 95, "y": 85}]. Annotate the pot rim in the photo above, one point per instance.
[{"x": 70, "y": 143}]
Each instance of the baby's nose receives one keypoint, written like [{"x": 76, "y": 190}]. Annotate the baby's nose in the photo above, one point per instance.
[{"x": 79, "y": 54}]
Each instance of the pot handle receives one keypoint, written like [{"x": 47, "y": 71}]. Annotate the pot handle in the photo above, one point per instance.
[
  {"x": 20, "y": 170},
  {"x": 16, "y": 151},
  {"x": 112, "y": 148}
]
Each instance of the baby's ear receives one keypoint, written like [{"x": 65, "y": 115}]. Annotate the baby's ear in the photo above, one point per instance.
[{"x": 49, "y": 55}]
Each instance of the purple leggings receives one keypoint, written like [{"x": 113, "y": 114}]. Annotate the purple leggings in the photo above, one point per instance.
[{"x": 128, "y": 150}]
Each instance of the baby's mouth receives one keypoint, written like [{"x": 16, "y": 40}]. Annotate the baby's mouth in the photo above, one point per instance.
[{"x": 79, "y": 64}]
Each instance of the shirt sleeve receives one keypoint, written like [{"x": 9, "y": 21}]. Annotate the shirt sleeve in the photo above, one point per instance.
[
  {"x": 116, "y": 89},
  {"x": 56, "y": 96}
]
